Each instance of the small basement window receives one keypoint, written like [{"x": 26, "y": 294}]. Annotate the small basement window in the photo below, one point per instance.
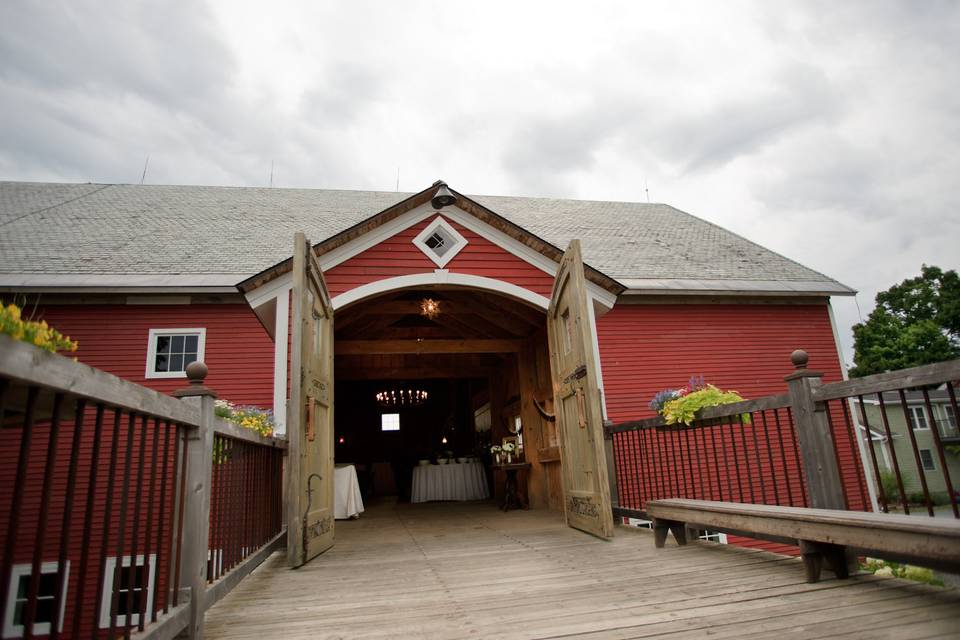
[
  {"x": 132, "y": 588},
  {"x": 440, "y": 241},
  {"x": 169, "y": 351},
  {"x": 390, "y": 422},
  {"x": 46, "y": 594}
]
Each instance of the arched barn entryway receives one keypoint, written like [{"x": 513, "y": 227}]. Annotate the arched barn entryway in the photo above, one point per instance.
[{"x": 480, "y": 357}]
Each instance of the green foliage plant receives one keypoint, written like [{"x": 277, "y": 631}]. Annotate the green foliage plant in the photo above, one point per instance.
[
  {"x": 248, "y": 417},
  {"x": 36, "y": 333},
  {"x": 888, "y": 482},
  {"x": 898, "y": 570},
  {"x": 683, "y": 409},
  {"x": 915, "y": 322}
]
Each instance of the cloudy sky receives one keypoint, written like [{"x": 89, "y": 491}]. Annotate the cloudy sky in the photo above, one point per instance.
[{"x": 827, "y": 131}]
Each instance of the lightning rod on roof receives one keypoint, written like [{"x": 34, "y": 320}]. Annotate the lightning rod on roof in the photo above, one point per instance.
[
  {"x": 398, "y": 179},
  {"x": 647, "y": 189},
  {"x": 144, "y": 174},
  {"x": 271, "y": 174}
]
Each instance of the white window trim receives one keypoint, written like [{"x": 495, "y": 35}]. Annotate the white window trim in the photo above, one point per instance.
[
  {"x": 152, "y": 350},
  {"x": 440, "y": 223},
  {"x": 11, "y": 630},
  {"x": 933, "y": 461},
  {"x": 107, "y": 593},
  {"x": 915, "y": 422}
]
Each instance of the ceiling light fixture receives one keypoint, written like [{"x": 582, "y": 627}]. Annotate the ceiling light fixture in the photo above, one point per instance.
[
  {"x": 402, "y": 397},
  {"x": 429, "y": 308}
]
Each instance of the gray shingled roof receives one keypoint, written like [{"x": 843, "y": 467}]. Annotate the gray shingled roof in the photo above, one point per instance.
[{"x": 225, "y": 234}]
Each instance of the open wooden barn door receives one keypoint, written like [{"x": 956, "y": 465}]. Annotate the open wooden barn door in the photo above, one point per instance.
[
  {"x": 310, "y": 411},
  {"x": 576, "y": 393}
]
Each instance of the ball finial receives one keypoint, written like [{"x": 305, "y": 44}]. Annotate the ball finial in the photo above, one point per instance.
[
  {"x": 196, "y": 372},
  {"x": 799, "y": 358}
]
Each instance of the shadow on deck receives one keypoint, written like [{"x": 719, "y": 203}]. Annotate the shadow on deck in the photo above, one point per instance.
[{"x": 470, "y": 571}]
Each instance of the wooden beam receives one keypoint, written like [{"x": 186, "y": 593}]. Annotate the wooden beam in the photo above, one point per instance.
[
  {"x": 474, "y": 345},
  {"x": 413, "y": 373}
]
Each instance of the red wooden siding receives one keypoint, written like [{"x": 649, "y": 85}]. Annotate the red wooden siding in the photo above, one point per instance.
[
  {"x": 647, "y": 348},
  {"x": 239, "y": 352},
  {"x": 398, "y": 256}
]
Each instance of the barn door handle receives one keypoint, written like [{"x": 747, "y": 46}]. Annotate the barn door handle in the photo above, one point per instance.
[
  {"x": 581, "y": 409},
  {"x": 310, "y": 430}
]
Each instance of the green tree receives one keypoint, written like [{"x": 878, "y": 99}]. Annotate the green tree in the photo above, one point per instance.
[{"x": 915, "y": 322}]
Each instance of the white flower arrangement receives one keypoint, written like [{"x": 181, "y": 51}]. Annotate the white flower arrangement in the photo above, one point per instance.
[
  {"x": 509, "y": 447},
  {"x": 495, "y": 449}
]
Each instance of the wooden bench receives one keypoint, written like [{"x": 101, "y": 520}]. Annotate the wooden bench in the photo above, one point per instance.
[{"x": 823, "y": 535}]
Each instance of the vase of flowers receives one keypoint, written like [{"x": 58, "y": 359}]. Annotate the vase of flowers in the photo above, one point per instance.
[
  {"x": 509, "y": 449},
  {"x": 495, "y": 451}
]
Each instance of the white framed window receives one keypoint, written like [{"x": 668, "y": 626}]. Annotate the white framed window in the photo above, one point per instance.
[
  {"x": 949, "y": 417},
  {"x": 130, "y": 587},
  {"x": 169, "y": 351},
  {"x": 926, "y": 458},
  {"x": 390, "y": 422},
  {"x": 918, "y": 418},
  {"x": 46, "y": 594},
  {"x": 440, "y": 242}
]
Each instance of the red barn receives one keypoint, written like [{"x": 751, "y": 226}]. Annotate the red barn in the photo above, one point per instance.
[{"x": 449, "y": 301}]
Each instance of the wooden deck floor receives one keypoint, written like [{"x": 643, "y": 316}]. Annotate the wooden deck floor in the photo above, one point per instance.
[{"x": 470, "y": 571}]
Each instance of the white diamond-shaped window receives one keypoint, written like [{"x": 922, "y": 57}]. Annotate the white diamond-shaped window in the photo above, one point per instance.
[{"x": 440, "y": 241}]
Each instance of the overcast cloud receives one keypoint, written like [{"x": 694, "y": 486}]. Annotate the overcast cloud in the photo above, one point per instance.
[{"x": 826, "y": 131}]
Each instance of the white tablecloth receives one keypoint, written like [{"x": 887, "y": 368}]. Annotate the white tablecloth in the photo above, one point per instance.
[
  {"x": 465, "y": 481},
  {"x": 347, "y": 501}
]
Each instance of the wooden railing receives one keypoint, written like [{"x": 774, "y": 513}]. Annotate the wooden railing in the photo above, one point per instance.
[
  {"x": 815, "y": 446},
  {"x": 105, "y": 501}
]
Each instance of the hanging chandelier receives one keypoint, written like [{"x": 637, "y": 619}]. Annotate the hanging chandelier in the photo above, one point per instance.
[{"x": 401, "y": 397}]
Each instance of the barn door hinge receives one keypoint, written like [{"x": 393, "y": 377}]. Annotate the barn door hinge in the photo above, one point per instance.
[
  {"x": 578, "y": 374},
  {"x": 608, "y": 430}
]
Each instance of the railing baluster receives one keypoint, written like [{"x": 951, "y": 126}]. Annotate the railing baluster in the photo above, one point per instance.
[
  {"x": 756, "y": 454},
  {"x": 716, "y": 460},
  {"x": 162, "y": 539},
  {"x": 855, "y": 452},
  {"x": 746, "y": 456},
  {"x": 148, "y": 574},
  {"x": 881, "y": 494},
  {"x": 19, "y": 484},
  {"x": 783, "y": 456},
  {"x": 183, "y": 449},
  {"x": 135, "y": 537},
  {"x": 796, "y": 454},
  {"x": 33, "y": 588},
  {"x": 935, "y": 434},
  {"x": 770, "y": 464},
  {"x": 893, "y": 454},
  {"x": 88, "y": 523},
  {"x": 921, "y": 474},
  {"x": 108, "y": 522},
  {"x": 63, "y": 577},
  {"x": 122, "y": 528},
  {"x": 662, "y": 475}
]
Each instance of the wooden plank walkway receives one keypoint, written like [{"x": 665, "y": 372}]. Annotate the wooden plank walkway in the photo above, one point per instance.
[{"x": 469, "y": 571}]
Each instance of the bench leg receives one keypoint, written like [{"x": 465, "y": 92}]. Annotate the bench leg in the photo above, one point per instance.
[
  {"x": 660, "y": 529},
  {"x": 815, "y": 554},
  {"x": 679, "y": 533}
]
